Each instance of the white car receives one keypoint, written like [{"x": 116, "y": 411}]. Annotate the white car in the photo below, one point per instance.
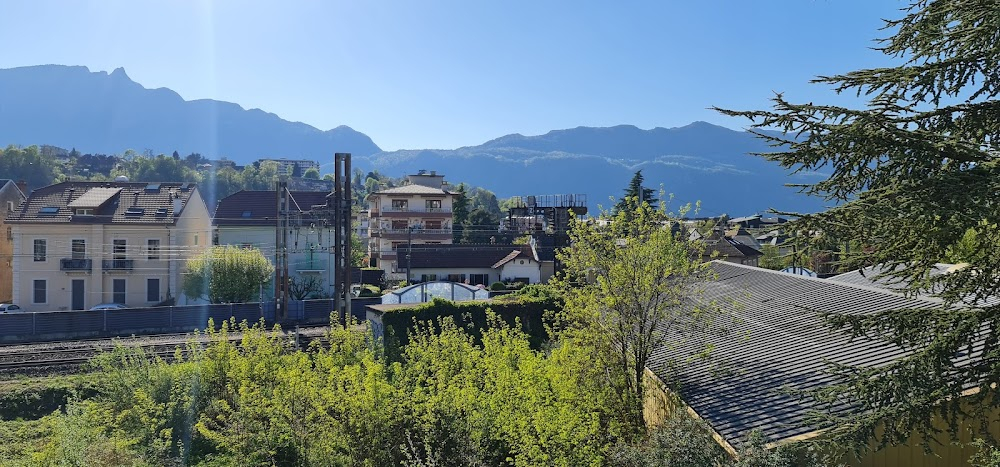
[
  {"x": 108, "y": 306},
  {"x": 10, "y": 308}
]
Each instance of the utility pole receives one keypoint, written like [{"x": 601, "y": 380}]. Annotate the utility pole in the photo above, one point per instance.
[
  {"x": 340, "y": 207},
  {"x": 409, "y": 249},
  {"x": 281, "y": 250}
]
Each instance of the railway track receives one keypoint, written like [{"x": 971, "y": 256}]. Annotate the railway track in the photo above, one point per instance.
[{"x": 70, "y": 356}]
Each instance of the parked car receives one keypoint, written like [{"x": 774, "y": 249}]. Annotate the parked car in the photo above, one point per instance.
[
  {"x": 108, "y": 306},
  {"x": 10, "y": 308}
]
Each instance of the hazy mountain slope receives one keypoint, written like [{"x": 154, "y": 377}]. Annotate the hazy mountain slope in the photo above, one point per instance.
[
  {"x": 100, "y": 112},
  {"x": 697, "y": 162}
]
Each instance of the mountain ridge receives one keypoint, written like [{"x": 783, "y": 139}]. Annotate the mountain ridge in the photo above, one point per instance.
[{"x": 109, "y": 112}]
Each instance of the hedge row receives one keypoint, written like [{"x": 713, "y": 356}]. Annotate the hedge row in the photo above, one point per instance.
[{"x": 528, "y": 312}]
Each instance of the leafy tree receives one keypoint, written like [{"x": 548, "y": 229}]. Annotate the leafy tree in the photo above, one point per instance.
[
  {"x": 27, "y": 164},
  {"x": 772, "y": 258},
  {"x": 227, "y": 274},
  {"x": 913, "y": 169},
  {"x": 480, "y": 227},
  {"x": 311, "y": 173},
  {"x": 637, "y": 192},
  {"x": 680, "y": 441},
  {"x": 639, "y": 294},
  {"x": 459, "y": 211}
]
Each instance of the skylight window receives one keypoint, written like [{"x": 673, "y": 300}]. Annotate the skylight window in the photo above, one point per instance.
[
  {"x": 153, "y": 187},
  {"x": 134, "y": 211},
  {"x": 161, "y": 212},
  {"x": 49, "y": 210},
  {"x": 247, "y": 214}
]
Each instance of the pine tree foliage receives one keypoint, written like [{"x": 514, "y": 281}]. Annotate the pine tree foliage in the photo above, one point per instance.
[
  {"x": 913, "y": 171},
  {"x": 637, "y": 192}
]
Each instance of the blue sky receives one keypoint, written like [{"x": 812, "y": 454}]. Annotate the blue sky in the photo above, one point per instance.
[{"x": 444, "y": 74}]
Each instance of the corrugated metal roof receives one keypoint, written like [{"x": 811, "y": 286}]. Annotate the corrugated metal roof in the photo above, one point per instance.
[{"x": 776, "y": 342}]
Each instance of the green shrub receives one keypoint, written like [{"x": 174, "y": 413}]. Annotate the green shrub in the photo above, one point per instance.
[{"x": 496, "y": 286}]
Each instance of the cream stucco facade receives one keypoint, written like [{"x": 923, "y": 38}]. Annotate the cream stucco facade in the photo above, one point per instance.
[{"x": 78, "y": 265}]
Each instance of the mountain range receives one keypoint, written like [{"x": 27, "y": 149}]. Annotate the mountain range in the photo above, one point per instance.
[{"x": 70, "y": 106}]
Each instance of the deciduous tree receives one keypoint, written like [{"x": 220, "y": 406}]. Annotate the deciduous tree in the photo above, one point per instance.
[{"x": 227, "y": 274}]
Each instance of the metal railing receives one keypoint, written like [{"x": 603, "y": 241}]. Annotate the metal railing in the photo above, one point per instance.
[
  {"x": 118, "y": 264},
  {"x": 76, "y": 264}
]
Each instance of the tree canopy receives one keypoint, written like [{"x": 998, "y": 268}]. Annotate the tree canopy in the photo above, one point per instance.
[
  {"x": 914, "y": 170},
  {"x": 637, "y": 192},
  {"x": 227, "y": 274}
]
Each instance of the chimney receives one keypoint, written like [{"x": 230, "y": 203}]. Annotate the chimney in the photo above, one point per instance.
[{"x": 23, "y": 186}]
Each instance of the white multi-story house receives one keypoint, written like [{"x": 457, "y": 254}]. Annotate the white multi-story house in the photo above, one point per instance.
[
  {"x": 77, "y": 244},
  {"x": 418, "y": 213},
  {"x": 248, "y": 218}
]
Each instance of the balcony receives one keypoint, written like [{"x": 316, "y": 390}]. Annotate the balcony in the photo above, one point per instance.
[
  {"x": 411, "y": 211},
  {"x": 118, "y": 265},
  {"x": 76, "y": 265}
]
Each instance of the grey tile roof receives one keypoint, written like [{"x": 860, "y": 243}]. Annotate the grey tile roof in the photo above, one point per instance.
[
  {"x": 249, "y": 207},
  {"x": 869, "y": 276},
  {"x": 459, "y": 255},
  {"x": 776, "y": 342},
  {"x": 133, "y": 203}
]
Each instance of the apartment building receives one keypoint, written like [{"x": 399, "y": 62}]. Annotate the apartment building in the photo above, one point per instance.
[
  {"x": 77, "y": 244},
  {"x": 11, "y": 197},
  {"x": 248, "y": 218},
  {"x": 418, "y": 213}
]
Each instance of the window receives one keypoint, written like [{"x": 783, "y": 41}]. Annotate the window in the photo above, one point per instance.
[
  {"x": 153, "y": 248},
  {"x": 40, "y": 294},
  {"x": 118, "y": 291},
  {"x": 479, "y": 279},
  {"x": 399, "y": 205},
  {"x": 433, "y": 224},
  {"x": 10, "y": 234},
  {"x": 118, "y": 249},
  {"x": 398, "y": 245},
  {"x": 40, "y": 249},
  {"x": 428, "y": 277},
  {"x": 85, "y": 211},
  {"x": 10, "y": 206},
  {"x": 456, "y": 277},
  {"x": 78, "y": 250},
  {"x": 399, "y": 225},
  {"x": 196, "y": 239},
  {"x": 152, "y": 290},
  {"x": 433, "y": 204}
]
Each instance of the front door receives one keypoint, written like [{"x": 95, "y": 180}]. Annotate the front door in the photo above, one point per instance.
[{"x": 78, "y": 294}]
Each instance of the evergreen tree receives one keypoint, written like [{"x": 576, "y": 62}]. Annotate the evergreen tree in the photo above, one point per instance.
[
  {"x": 636, "y": 192},
  {"x": 913, "y": 171},
  {"x": 459, "y": 212}
]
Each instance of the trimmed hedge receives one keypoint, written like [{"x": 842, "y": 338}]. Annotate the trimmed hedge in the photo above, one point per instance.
[{"x": 528, "y": 311}]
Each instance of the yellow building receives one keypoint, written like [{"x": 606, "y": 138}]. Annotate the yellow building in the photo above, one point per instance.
[
  {"x": 78, "y": 244},
  {"x": 11, "y": 197},
  {"x": 774, "y": 347}
]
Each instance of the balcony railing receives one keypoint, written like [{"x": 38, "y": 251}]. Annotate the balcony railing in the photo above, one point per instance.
[
  {"x": 416, "y": 209},
  {"x": 75, "y": 264},
  {"x": 314, "y": 265},
  {"x": 118, "y": 264}
]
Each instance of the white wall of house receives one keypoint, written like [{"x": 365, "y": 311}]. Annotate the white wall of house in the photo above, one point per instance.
[
  {"x": 521, "y": 267},
  {"x": 309, "y": 250}
]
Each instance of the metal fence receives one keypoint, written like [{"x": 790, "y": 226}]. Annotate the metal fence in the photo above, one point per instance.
[{"x": 61, "y": 325}]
